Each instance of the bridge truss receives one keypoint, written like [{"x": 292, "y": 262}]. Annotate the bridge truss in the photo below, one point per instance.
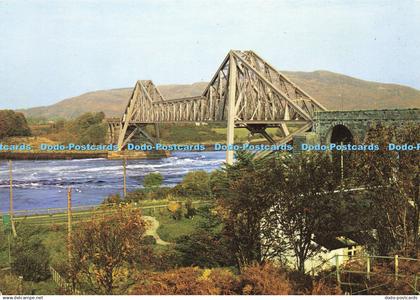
[{"x": 246, "y": 91}]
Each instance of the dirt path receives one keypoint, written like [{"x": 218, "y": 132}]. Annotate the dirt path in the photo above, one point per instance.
[{"x": 153, "y": 225}]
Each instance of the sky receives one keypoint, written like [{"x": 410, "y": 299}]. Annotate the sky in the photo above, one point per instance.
[{"x": 52, "y": 50}]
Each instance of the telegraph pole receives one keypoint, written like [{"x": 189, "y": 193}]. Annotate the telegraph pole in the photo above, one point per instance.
[
  {"x": 230, "y": 129},
  {"x": 69, "y": 223},
  {"x": 11, "y": 199},
  {"x": 342, "y": 165},
  {"x": 125, "y": 177}
]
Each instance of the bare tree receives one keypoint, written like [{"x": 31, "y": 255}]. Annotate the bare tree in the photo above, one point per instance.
[{"x": 106, "y": 248}]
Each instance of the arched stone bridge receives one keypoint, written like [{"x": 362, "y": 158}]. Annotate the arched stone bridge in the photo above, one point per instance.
[{"x": 352, "y": 126}]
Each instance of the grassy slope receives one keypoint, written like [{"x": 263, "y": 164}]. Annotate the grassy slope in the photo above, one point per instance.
[{"x": 340, "y": 92}]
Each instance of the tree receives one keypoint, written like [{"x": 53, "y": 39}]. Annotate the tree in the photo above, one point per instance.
[
  {"x": 106, "y": 248},
  {"x": 94, "y": 134},
  {"x": 206, "y": 247},
  {"x": 13, "y": 124},
  {"x": 244, "y": 197},
  {"x": 391, "y": 179},
  {"x": 88, "y": 128},
  {"x": 305, "y": 204},
  {"x": 279, "y": 204},
  {"x": 195, "y": 183},
  {"x": 152, "y": 181}
]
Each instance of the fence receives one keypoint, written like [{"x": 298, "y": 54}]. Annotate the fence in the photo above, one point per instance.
[
  {"x": 51, "y": 216},
  {"x": 62, "y": 283},
  {"x": 395, "y": 267}
]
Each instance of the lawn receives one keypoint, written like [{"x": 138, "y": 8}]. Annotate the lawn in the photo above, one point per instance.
[{"x": 170, "y": 229}]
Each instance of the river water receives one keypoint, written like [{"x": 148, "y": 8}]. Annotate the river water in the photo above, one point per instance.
[{"x": 43, "y": 184}]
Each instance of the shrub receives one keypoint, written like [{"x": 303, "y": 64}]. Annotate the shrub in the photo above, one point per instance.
[
  {"x": 185, "y": 281},
  {"x": 113, "y": 199},
  {"x": 264, "y": 279},
  {"x": 152, "y": 181},
  {"x": 10, "y": 285},
  {"x": 205, "y": 249},
  {"x": 191, "y": 211},
  {"x": 322, "y": 287},
  {"x": 149, "y": 240},
  {"x": 175, "y": 208},
  {"x": 30, "y": 259},
  {"x": 301, "y": 282},
  {"x": 255, "y": 280}
]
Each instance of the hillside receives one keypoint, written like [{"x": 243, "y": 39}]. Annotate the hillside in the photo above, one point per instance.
[
  {"x": 341, "y": 92},
  {"x": 335, "y": 91}
]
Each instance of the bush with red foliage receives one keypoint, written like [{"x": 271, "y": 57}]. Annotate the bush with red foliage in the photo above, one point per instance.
[
  {"x": 185, "y": 281},
  {"x": 264, "y": 279}
]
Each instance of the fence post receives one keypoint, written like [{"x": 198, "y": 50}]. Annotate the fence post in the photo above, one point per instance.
[
  {"x": 69, "y": 249},
  {"x": 337, "y": 269},
  {"x": 124, "y": 177},
  {"x": 396, "y": 267},
  {"x": 368, "y": 267},
  {"x": 415, "y": 284}
]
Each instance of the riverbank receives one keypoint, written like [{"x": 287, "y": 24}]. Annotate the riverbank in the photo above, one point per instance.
[
  {"x": 69, "y": 155},
  {"x": 51, "y": 156}
]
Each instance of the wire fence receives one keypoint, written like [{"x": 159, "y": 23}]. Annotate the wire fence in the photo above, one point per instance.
[{"x": 57, "y": 216}]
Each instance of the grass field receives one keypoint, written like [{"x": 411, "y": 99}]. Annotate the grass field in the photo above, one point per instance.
[{"x": 170, "y": 229}]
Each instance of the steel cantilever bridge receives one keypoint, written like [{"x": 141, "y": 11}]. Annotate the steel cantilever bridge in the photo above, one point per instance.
[{"x": 246, "y": 91}]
